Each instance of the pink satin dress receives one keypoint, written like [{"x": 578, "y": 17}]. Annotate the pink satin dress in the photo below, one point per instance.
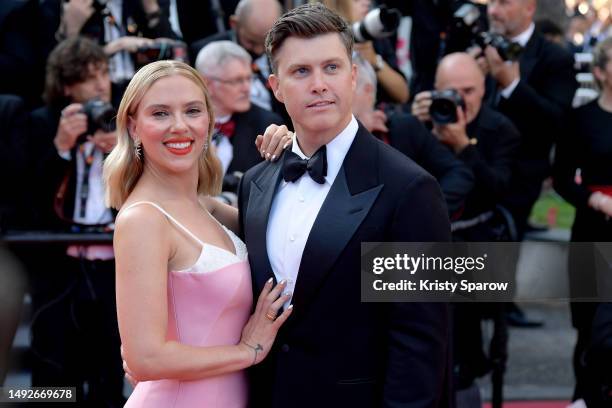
[{"x": 208, "y": 305}]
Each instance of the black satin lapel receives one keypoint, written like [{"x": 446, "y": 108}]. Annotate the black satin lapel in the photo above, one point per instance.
[
  {"x": 337, "y": 221},
  {"x": 260, "y": 201}
]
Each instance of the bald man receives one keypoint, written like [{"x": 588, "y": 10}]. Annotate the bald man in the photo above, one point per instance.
[
  {"x": 487, "y": 142},
  {"x": 250, "y": 22},
  {"x": 484, "y": 139}
]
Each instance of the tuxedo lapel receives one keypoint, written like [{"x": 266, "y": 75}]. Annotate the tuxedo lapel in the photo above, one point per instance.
[
  {"x": 348, "y": 202},
  {"x": 261, "y": 195}
]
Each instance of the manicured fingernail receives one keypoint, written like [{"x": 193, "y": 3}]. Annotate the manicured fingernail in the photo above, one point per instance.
[
  {"x": 270, "y": 280},
  {"x": 268, "y": 155},
  {"x": 290, "y": 307},
  {"x": 273, "y": 157},
  {"x": 283, "y": 282},
  {"x": 286, "y": 293},
  {"x": 286, "y": 145}
]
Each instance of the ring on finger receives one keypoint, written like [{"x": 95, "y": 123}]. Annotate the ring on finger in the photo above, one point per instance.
[{"x": 271, "y": 316}]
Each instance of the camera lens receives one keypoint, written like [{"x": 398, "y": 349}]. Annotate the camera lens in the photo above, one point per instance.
[{"x": 443, "y": 111}]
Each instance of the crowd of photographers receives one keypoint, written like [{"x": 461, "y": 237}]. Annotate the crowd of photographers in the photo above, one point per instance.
[{"x": 489, "y": 96}]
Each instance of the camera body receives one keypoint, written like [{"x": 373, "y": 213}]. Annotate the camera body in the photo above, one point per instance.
[
  {"x": 443, "y": 108},
  {"x": 468, "y": 30},
  {"x": 162, "y": 49},
  {"x": 100, "y": 115},
  {"x": 378, "y": 23}
]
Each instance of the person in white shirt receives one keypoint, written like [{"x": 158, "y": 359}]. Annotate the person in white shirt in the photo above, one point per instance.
[{"x": 304, "y": 218}]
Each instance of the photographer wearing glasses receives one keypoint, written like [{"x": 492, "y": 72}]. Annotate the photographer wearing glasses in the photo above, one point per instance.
[
  {"x": 226, "y": 69},
  {"x": 74, "y": 329}
]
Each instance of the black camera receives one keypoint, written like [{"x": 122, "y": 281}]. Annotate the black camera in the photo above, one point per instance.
[
  {"x": 468, "y": 30},
  {"x": 378, "y": 23},
  {"x": 100, "y": 115},
  {"x": 443, "y": 108},
  {"x": 161, "y": 49}
]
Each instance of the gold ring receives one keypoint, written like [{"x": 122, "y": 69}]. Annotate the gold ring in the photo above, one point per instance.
[{"x": 271, "y": 316}]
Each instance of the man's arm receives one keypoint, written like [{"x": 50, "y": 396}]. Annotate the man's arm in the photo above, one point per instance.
[{"x": 418, "y": 360}]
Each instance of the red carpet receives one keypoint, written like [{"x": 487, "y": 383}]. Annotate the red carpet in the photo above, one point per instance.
[{"x": 532, "y": 404}]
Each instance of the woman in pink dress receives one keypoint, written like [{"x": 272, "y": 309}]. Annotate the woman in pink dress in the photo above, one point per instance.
[{"x": 184, "y": 296}]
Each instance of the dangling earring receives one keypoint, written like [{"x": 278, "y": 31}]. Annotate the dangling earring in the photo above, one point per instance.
[{"x": 138, "y": 149}]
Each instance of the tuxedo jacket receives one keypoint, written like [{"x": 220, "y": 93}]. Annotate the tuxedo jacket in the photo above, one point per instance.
[
  {"x": 249, "y": 124},
  {"x": 538, "y": 107},
  {"x": 336, "y": 350}
]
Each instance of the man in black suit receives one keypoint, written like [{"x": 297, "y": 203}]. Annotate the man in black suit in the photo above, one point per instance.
[
  {"x": 535, "y": 93},
  {"x": 226, "y": 68},
  {"x": 75, "y": 339},
  {"x": 250, "y": 23},
  {"x": 307, "y": 230}
]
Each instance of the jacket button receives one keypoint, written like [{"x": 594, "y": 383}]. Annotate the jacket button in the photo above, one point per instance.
[{"x": 285, "y": 348}]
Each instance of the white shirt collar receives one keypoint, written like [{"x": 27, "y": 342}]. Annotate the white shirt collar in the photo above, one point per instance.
[
  {"x": 523, "y": 38},
  {"x": 336, "y": 149},
  {"x": 222, "y": 119}
]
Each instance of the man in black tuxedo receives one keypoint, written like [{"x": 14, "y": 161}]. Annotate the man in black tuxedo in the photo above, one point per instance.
[
  {"x": 226, "y": 68},
  {"x": 535, "y": 93},
  {"x": 307, "y": 230}
]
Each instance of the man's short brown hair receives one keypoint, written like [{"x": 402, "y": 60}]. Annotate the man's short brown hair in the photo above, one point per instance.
[
  {"x": 69, "y": 63},
  {"x": 307, "y": 21}
]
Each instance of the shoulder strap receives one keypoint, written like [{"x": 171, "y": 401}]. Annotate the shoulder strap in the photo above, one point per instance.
[{"x": 171, "y": 218}]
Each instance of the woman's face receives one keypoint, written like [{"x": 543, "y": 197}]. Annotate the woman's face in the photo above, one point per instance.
[
  {"x": 360, "y": 9},
  {"x": 172, "y": 124}
]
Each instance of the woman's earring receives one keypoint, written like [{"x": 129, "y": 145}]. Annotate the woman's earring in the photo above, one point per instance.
[{"x": 138, "y": 149}]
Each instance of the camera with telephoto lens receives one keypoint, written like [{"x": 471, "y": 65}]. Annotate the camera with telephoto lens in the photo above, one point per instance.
[
  {"x": 468, "y": 30},
  {"x": 443, "y": 108},
  {"x": 161, "y": 49},
  {"x": 100, "y": 115},
  {"x": 378, "y": 23}
]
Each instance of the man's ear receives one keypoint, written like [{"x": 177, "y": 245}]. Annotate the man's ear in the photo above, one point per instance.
[
  {"x": 599, "y": 74},
  {"x": 275, "y": 85},
  {"x": 233, "y": 21},
  {"x": 353, "y": 77}
]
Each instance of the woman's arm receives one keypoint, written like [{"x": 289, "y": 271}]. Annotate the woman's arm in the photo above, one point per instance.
[
  {"x": 143, "y": 247},
  {"x": 224, "y": 213}
]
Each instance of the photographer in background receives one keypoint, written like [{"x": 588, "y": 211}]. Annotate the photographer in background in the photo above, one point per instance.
[
  {"x": 405, "y": 133},
  {"x": 485, "y": 140},
  {"x": 125, "y": 28},
  {"x": 75, "y": 340},
  {"x": 226, "y": 69}
]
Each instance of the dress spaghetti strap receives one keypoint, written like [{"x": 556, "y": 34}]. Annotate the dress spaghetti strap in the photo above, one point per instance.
[{"x": 171, "y": 218}]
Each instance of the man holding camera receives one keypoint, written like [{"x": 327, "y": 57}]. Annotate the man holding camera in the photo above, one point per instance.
[
  {"x": 75, "y": 339},
  {"x": 535, "y": 93},
  {"x": 485, "y": 140}
]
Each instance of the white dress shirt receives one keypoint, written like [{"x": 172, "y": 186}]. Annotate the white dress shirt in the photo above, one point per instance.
[
  {"x": 225, "y": 148},
  {"x": 295, "y": 209},
  {"x": 522, "y": 39},
  {"x": 95, "y": 210}
]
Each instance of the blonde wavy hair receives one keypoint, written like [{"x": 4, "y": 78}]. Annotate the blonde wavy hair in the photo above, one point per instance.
[{"x": 122, "y": 169}]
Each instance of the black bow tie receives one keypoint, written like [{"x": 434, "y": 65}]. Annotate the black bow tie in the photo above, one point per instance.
[{"x": 294, "y": 166}]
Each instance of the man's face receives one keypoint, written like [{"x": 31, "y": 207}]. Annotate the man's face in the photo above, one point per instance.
[
  {"x": 510, "y": 17},
  {"x": 97, "y": 84},
  {"x": 604, "y": 76},
  {"x": 230, "y": 87},
  {"x": 470, "y": 86},
  {"x": 315, "y": 80}
]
